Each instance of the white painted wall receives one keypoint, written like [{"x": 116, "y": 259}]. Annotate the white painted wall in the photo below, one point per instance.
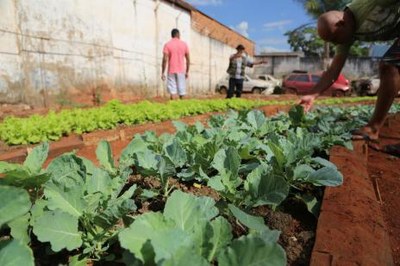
[
  {"x": 210, "y": 61},
  {"x": 50, "y": 48}
]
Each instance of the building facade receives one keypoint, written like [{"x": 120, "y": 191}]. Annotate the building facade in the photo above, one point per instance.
[{"x": 69, "y": 51}]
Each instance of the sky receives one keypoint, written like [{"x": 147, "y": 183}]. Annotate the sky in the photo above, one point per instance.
[{"x": 262, "y": 21}]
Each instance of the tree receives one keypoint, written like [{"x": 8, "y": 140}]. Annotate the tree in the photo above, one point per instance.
[
  {"x": 315, "y": 8},
  {"x": 306, "y": 40}
]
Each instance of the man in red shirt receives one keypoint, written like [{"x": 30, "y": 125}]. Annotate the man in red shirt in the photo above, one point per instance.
[{"x": 175, "y": 52}]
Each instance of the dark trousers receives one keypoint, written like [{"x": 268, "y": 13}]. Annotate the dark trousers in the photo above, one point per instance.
[{"x": 235, "y": 83}]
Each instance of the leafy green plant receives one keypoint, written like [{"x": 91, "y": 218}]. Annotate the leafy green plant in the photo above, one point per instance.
[
  {"x": 13, "y": 252},
  {"x": 190, "y": 229},
  {"x": 85, "y": 203},
  {"x": 30, "y": 174},
  {"x": 53, "y": 126}
]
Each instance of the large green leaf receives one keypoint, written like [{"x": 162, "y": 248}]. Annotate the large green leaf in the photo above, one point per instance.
[
  {"x": 256, "y": 119},
  {"x": 250, "y": 250},
  {"x": 115, "y": 210},
  {"x": 221, "y": 237},
  {"x": 255, "y": 224},
  {"x": 166, "y": 169},
  {"x": 153, "y": 238},
  {"x": 312, "y": 203},
  {"x": 15, "y": 203},
  {"x": 175, "y": 152},
  {"x": 22, "y": 177},
  {"x": 302, "y": 171},
  {"x": 148, "y": 163},
  {"x": 6, "y": 167},
  {"x": 15, "y": 253},
  {"x": 227, "y": 161},
  {"x": 69, "y": 200},
  {"x": 36, "y": 158},
  {"x": 67, "y": 170},
  {"x": 128, "y": 154},
  {"x": 265, "y": 187},
  {"x": 252, "y": 222},
  {"x": 104, "y": 156},
  {"x": 19, "y": 228},
  {"x": 182, "y": 257},
  {"x": 188, "y": 210},
  {"x": 99, "y": 181},
  {"x": 180, "y": 126},
  {"x": 58, "y": 228},
  {"x": 278, "y": 154},
  {"x": 37, "y": 210},
  {"x": 326, "y": 176}
]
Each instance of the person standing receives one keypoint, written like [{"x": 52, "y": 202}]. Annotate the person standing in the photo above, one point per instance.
[
  {"x": 236, "y": 70},
  {"x": 175, "y": 53},
  {"x": 365, "y": 20}
]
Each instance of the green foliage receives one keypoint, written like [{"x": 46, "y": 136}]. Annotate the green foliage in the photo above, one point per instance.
[
  {"x": 61, "y": 232},
  {"x": 85, "y": 204},
  {"x": 250, "y": 250},
  {"x": 306, "y": 40},
  {"x": 189, "y": 225},
  {"x": 29, "y": 175},
  {"x": 15, "y": 253},
  {"x": 316, "y": 7},
  {"x": 15, "y": 203},
  {"x": 53, "y": 126},
  {"x": 249, "y": 159}
]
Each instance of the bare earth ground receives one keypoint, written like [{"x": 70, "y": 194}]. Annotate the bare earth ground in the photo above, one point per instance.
[{"x": 384, "y": 171}]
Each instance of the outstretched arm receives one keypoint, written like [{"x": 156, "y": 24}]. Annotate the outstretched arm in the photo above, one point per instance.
[
  {"x": 330, "y": 75},
  {"x": 264, "y": 61},
  {"x": 327, "y": 79}
]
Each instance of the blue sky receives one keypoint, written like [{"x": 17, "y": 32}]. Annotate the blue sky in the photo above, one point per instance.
[{"x": 262, "y": 21}]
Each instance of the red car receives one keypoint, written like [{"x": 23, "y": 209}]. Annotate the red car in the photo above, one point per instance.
[{"x": 303, "y": 82}]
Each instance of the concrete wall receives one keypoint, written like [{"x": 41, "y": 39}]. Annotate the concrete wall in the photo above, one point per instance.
[
  {"x": 72, "y": 50},
  {"x": 282, "y": 65},
  {"x": 210, "y": 61}
]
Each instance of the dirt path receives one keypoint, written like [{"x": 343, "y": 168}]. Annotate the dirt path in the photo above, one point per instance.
[
  {"x": 359, "y": 222},
  {"x": 384, "y": 172}
]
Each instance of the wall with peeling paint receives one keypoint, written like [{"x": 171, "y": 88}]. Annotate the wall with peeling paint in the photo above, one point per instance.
[{"x": 71, "y": 50}]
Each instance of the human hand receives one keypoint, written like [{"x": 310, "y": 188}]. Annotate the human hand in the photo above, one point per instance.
[
  {"x": 187, "y": 75},
  {"x": 307, "y": 101},
  {"x": 163, "y": 76}
]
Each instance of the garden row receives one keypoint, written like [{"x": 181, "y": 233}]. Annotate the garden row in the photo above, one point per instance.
[
  {"x": 53, "y": 126},
  {"x": 108, "y": 213}
]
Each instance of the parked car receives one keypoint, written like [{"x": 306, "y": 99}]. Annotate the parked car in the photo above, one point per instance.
[
  {"x": 251, "y": 85},
  {"x": 302, "y": 82},
  {"x": 276, "y": 83},
  {"x": 270, "y": 78},
  {"x": 367, "y": 86}
]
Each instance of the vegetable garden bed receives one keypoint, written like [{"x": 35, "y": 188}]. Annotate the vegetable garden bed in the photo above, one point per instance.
[{"x": 246, "y": 165}]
